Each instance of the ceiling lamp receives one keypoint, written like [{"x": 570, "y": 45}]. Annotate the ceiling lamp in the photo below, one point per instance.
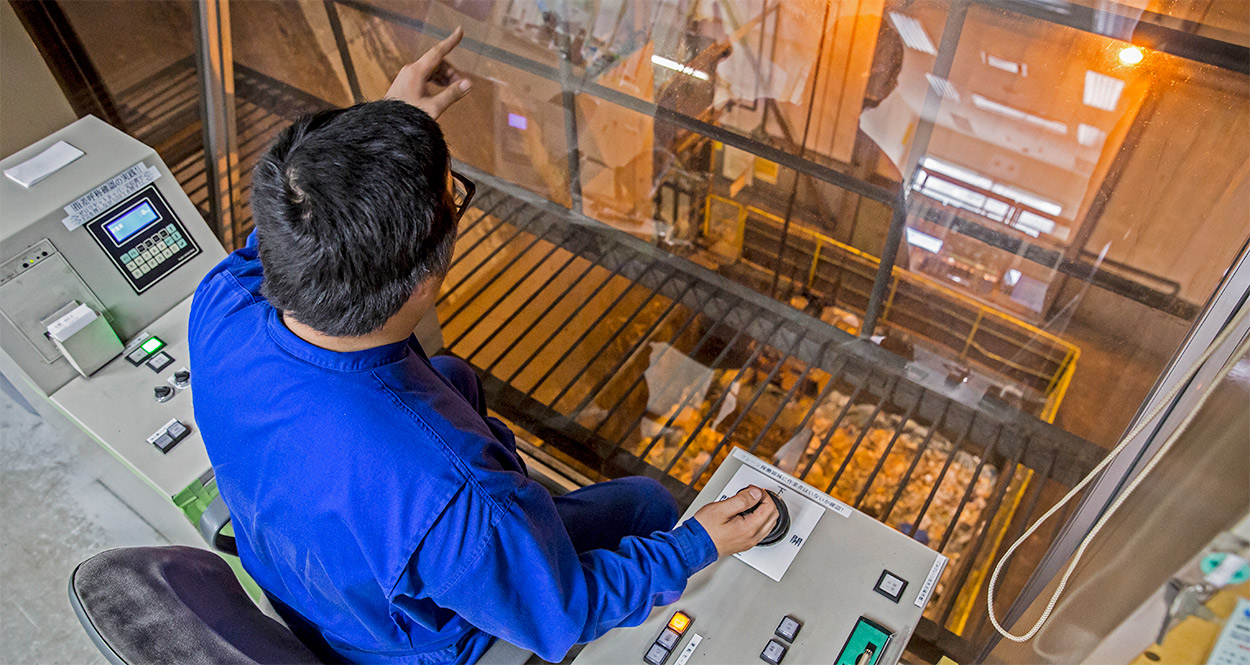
[{"x": 1131, "y": 55}]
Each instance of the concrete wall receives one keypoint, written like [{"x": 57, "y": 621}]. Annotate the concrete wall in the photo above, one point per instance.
[{"x": 31, "y": 103}]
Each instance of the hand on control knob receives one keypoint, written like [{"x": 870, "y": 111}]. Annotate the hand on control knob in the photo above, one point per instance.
[{"x": 740, "y": 522}]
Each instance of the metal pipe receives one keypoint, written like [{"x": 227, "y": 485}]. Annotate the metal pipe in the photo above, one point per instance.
[
  {"x": 572, "y": 311},
  {"x": 833, "y": 426},
  {"x": 511, "y": 262},
  {"x": 759, "y": 348},
  {"x": 642, "y": 375},
  {"x": 217, "y": 105},
  {"x": 642, "y": 338},
  {"x": 924, "y": 446},
  {"x": 725, "y": 394},
  {"x": 937, "y": 484},
  {"x": 586, "y": 333},
  {"x": 863, "y": 431},
  {"x": 555, "y": 247},
  {"x": 345, "y": 54},
  {"x": 520, "y": 308},
  {"x": 473, "y": 271}
]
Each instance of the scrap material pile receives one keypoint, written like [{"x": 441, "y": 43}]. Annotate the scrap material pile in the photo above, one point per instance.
[{"x": 834, "y": 445}]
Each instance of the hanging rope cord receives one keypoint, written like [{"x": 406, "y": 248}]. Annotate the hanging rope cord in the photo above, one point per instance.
[{"x": 1141, "y": 426}]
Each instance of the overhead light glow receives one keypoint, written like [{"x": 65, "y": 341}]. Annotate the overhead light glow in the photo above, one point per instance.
[
  {"x": 923, "y": 240},
  {"x": 957, "y": 172},
  {"x": 1102, "y": 91},
  {"x": 1006, "y": 65},
  {"x": 1034, "y": 201},
  {"x": 1089, "y": 136},
  {"x": 1012, "y": 112},
  {"x": 517, "y": 121},
  {"x": 913, "y": 33},
  {"x": 943, "y": 87},
  {"x": 1131, "y": 55},
  {"x": 678, "y": 67}
]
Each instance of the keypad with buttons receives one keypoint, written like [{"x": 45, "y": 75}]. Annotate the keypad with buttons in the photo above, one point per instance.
[
  {"x": 155, "y": 250},
  {"x": 148, "y": 253}
]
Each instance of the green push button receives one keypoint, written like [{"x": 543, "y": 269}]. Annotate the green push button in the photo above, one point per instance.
[{"x": 153, "y": 345}]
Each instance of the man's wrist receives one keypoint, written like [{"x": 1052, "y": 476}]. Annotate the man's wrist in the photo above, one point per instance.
[{"x": 698, "y": 551}]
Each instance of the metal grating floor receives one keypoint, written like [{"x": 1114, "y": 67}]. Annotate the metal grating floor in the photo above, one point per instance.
[{"x": 631, "y": 360}]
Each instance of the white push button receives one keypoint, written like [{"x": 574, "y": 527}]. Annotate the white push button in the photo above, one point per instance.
[
  {"x": 656, "y": 655},
  {"x": 668, "y": 638},
  {"x": 774, "y": 652},
  {"x": 890, "y": 585},
  {"x": 788, "y": 629}
]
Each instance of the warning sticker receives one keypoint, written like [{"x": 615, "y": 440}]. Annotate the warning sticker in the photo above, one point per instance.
[
  {"x": 96, "y": 201},
  {"x": 926, "y": 589}
]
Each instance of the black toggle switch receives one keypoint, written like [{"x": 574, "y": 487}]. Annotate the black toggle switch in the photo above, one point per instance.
[{"x": 163, "y": 393}]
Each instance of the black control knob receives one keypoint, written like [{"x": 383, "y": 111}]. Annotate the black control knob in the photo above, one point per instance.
[
  {"x": 182, "y": 378},
  {"x": 782, "y": 527},
  {"x": 163, "y": 393}
]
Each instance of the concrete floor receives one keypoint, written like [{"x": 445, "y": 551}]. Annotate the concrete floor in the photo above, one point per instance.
[{"x": 64, "y": 499}]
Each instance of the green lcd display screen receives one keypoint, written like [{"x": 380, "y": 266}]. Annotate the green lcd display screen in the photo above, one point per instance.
[{"x": 865, "y": 645}]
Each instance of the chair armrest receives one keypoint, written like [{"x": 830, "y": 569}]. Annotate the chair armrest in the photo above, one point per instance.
[{"x": 213, "y": 522}]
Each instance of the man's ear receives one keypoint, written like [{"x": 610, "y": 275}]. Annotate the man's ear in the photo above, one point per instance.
[{"x": 427, "y": 291}]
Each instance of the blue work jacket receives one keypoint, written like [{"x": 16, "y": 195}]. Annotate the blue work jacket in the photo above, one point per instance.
[{"x": 371, "y": 500}]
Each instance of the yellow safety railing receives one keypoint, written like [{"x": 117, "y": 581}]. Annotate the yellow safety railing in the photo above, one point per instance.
[{"x": 1058, "y": 380}]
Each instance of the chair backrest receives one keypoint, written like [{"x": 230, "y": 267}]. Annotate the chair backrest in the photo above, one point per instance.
[{"x": 175, "y": 605}]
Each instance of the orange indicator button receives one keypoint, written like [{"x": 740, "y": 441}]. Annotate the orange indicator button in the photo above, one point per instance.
[{"x": 680, "y": 622}]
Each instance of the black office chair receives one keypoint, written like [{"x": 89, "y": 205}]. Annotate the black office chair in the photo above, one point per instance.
[{"x": 176, "y": 604}]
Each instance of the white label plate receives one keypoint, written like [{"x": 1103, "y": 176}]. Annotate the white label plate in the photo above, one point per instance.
[
  {"x": 96, "y": 201},
  {"x": 791, "y": 482}
]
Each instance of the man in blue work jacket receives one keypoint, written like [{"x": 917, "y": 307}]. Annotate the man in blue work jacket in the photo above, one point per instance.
[{"x": 387, "y": 516}]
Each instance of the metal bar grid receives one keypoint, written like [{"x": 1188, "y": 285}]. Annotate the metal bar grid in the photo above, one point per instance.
[{"x": 905, "y": 454}]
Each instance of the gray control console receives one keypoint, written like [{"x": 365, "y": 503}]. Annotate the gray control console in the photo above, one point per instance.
[{"x": 839, "y": 582}]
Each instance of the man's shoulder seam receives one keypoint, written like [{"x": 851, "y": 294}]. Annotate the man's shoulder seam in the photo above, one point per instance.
[
  {"x": 235, "y": 278},
  {"x": 455, "y": 459}
]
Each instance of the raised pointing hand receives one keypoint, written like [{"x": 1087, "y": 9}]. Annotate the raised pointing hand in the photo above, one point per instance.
[{"x": 418, "y": 82}]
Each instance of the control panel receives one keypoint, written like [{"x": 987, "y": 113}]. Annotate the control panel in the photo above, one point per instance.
[
  {"x": 139, "y": 405},
  {"x": 835, "y": 587},
  {"x": 143, "y": 239},
  {"x": 100, "y": 252}
]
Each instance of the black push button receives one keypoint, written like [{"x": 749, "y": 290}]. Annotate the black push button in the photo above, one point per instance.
[
  {"x": 668, "y": 638},
  {"x": 160, "y": 361},
  {"x": 773, "y": 653},
  {"x": 788, "y": 629},
  {"x": 164, "y": 442},
  {"x": 656, "y": 655}
]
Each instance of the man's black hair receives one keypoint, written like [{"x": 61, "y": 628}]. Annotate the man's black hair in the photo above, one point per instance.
[{"x": 353, "y": 212}]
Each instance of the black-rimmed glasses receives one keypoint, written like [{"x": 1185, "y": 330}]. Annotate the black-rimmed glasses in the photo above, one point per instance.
[{"x": 462, "y": 193}]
